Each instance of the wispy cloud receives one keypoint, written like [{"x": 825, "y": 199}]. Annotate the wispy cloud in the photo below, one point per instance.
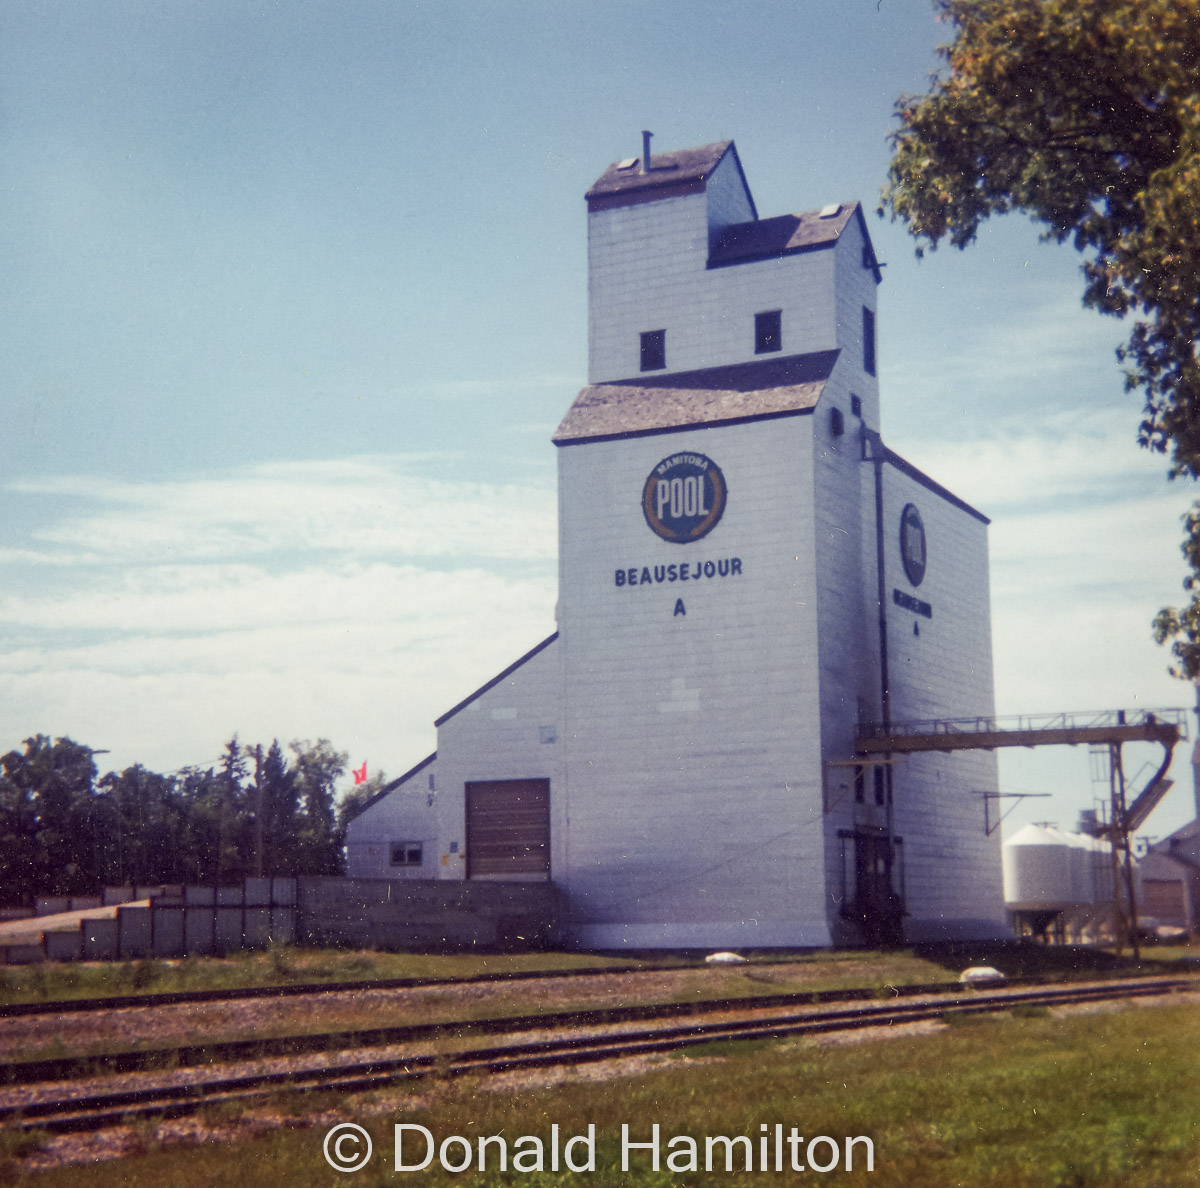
[
  {"x": 366, "y": 507},
  {"x": 353, "y": 599},
  {"x": 1009, "y": 464}
]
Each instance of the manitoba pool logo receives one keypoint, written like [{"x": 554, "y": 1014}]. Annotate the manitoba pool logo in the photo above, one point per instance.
[
  {"x": 912, "y": 544},
  {"x": 684, "y": 497}
]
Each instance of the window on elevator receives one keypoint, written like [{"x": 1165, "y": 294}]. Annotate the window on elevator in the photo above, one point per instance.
[
  {"x": 768, "y": 331},
  {"x": 654, "y": 350},
  {"x": 868, "y": 341},
  {"x": 406, "y": 853}
]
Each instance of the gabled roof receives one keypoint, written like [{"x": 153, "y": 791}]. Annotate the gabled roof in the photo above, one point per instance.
[
  {"x": 787, "y": 235},
  {"x": 391, "y": 786},
  {"x": 781, "y": 235},
  {"x": 500, "y": 676},
  {"x": 685, "y": 171},
  {"x": 919, "y": 476},
  {"x": 780, "y": 387}
]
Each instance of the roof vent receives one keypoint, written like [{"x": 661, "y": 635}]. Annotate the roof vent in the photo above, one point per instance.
[
  {"x": 646, "y": 151},
  {"x": 831, "y": 211},
  {"x": 628, "y": 163}
]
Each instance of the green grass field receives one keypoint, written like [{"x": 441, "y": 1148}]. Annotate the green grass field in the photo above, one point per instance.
[
  {"x": 815, "y": 970},
  {"x": 1107, "y": 1098}
]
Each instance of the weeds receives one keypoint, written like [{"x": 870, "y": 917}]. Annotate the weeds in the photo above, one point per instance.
[
  {"x": 17, "y": 1144},
  {"x": 1030, "y": 1010}
]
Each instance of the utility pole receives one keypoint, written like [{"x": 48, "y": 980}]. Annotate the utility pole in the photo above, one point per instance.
[
  {"x": 1121, "y": 819},
  {"x": 258, "y": 812}
]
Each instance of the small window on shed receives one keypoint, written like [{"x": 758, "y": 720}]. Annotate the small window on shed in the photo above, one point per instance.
[
  {"x": 654, "y": 350},
  {"x": 768, "y": 331},
  {"x": 856, "y": 405},
  {"x": 406, "y": 853},
  {"x": 837, "y": 422},
  {"x": 868, "y": 341}
]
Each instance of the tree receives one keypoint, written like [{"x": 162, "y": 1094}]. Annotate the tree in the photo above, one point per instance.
[
  {"x": 149, "y": 816},
  {"x": 355, "y": 799},
  {"x": 46, "y": 801},
  {"x": 1084, "y": 114},
  {"x": 319, "y": 840}
]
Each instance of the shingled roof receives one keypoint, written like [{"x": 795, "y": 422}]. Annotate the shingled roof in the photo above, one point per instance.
[
  {"x": 783, "y": 235},
  {"x": 781, "y": 387},
  {"x": 682, "y": 172}
]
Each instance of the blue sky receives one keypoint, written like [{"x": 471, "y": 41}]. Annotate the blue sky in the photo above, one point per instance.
[{"x": 295, "y": 294}]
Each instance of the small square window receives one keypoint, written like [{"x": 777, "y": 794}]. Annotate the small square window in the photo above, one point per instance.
[
  {"x": 768, "y": 331},
  {"x": 856, "y": 405},
  {"x": 654, "y": 350},
  {"x": 547, "y": 734},
  {"x": 868, "y": 341},
  {"x": 406, "y": 853}
]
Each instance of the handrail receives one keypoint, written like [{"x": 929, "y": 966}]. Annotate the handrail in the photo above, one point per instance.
[{"x": 1087, "y": 720}]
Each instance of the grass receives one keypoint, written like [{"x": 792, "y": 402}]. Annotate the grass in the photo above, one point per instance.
[
  {"x": 1093, "y": 1100},
  {"x": 820, "y": 970},
  {"x": 684, "y": 981},
  {"x": 272, "y": 967}
]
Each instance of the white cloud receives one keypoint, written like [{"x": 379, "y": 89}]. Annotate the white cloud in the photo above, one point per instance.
[
  {"x": 1036, "y": 461},
  {"x": 294, "y": 600},
  {"x": 367, "y": 506}
]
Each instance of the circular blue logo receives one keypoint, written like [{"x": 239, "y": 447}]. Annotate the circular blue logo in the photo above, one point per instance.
[
  {"x": 684, "y": 497},
  {"x": 912, "y": 544}
]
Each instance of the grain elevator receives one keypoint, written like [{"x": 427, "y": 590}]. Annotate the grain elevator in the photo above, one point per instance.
[{"x": 748, "y": 577}]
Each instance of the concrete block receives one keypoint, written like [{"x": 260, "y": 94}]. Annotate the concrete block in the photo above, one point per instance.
[
  {"x": 83, "y": 903},
  {"x": 381, "y": 913},
  {"x": 230, "y": 896},
  {"x": 63, "y": 946},
  {"x": 51, "y": 905},
  {"x": 229, "y": 938},
  {"x": 283, "y": 925},
  {"x": 166, "y": 931},
  {"x": 258, "y": 927},
  {"x": 258, "y": 892},
  {"x": 133, "y": 928},
  {"x": 199, "y": 896},
  {"x": 199, "y": 929},
  {"x": 114, "y": 895},
  {"x": 23, "y": 954},
  {"x": 101, "y": 939},
  {"x": 283, "y": 892}
]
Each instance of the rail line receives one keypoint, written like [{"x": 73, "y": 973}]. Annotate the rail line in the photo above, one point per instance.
[
  {"x": 225, "y": 1051},
  {"x": 113, "y": 1002},
  {"x": 94, "y": 1110}
]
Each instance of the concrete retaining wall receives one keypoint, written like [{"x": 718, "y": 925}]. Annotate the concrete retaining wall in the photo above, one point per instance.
[
  {"x": 393, "y": 914},
  {"x": 364, "y": 913}
]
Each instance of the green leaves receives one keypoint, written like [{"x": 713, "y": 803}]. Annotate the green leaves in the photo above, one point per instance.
[
  {"x": 1084, "y": 114},
  {"x": 63, "y": 832}
]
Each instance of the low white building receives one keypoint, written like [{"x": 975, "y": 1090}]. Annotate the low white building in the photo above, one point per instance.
[{"x": 748, "y": 574}]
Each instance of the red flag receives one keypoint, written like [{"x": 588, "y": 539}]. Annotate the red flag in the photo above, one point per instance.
[{"x": 360, "y": 774}]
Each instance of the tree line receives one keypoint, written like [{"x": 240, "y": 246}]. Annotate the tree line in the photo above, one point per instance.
[
  {"x": 257, "y": 812},
  {"x": 1086, "y": 117}
]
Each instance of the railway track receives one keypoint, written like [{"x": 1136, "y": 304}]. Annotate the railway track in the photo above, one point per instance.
[
  {"x": 63, "y": 1108},
  {"x": 112, "y": 1002}
]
